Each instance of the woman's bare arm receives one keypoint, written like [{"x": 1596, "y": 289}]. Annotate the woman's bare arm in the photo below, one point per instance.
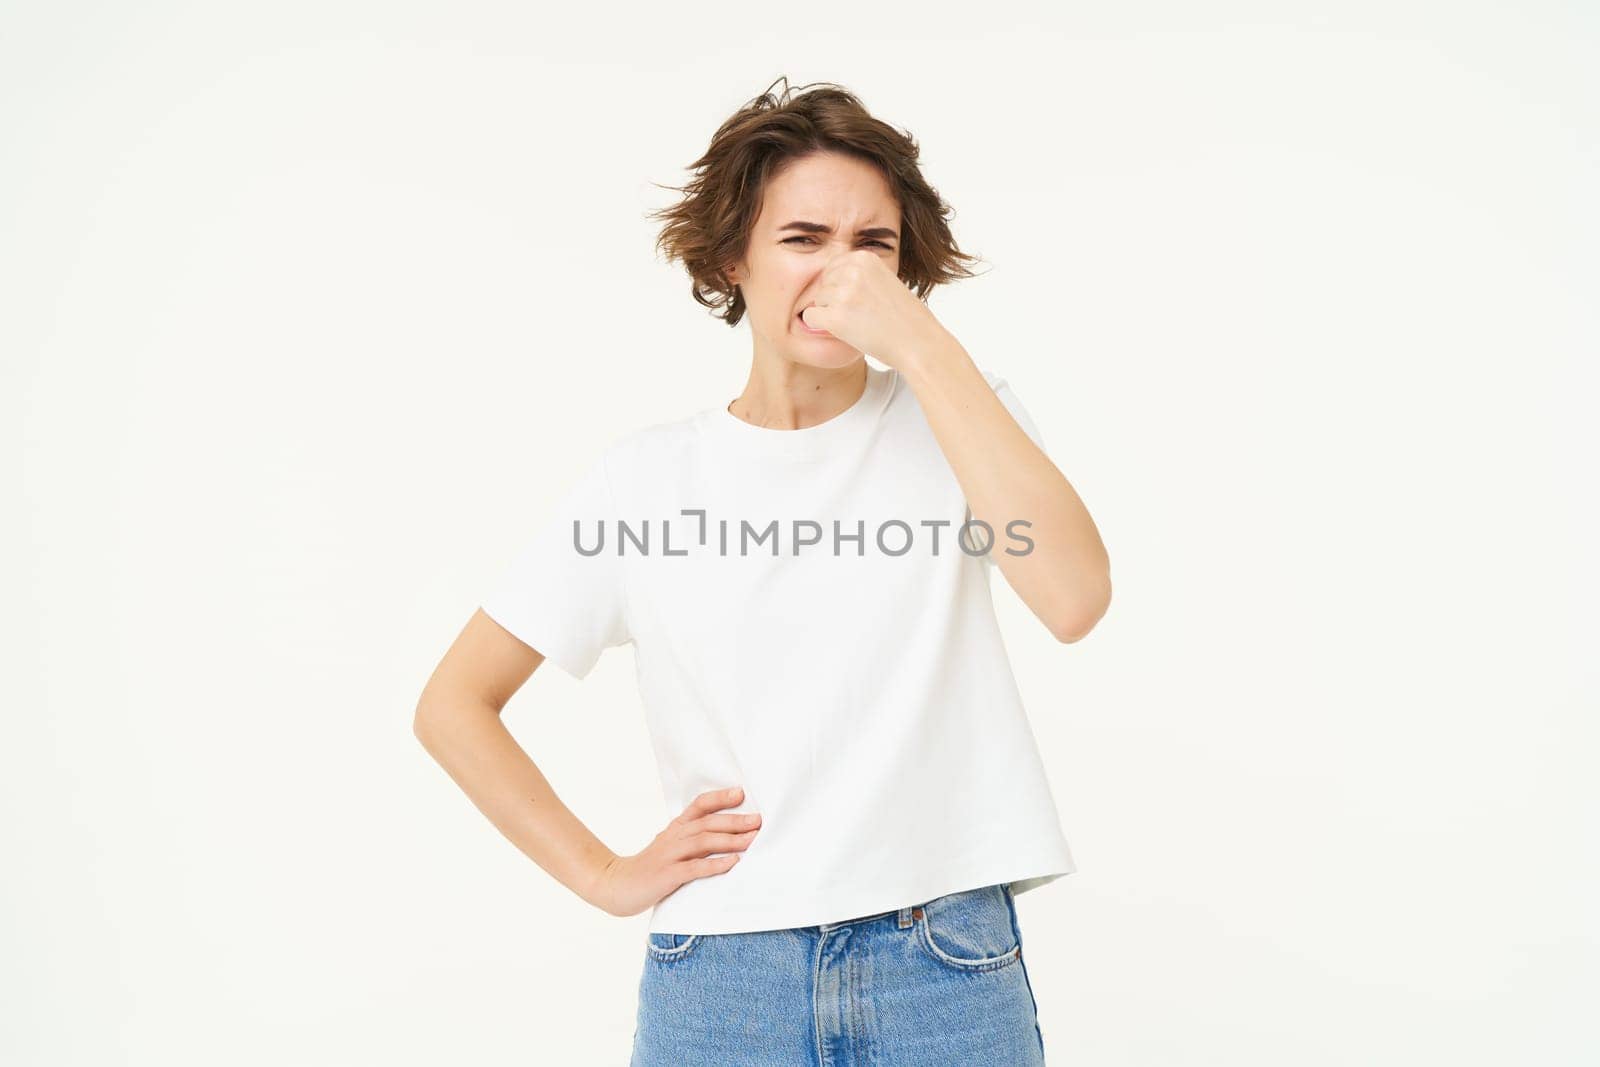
[{"x": 458, "y": 722}]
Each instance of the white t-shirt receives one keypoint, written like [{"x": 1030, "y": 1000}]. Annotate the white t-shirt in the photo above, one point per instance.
[{"x": 857, "y": 687}]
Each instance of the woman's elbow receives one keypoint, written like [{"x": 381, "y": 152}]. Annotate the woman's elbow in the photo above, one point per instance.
[
  {"x": 432, "y": 718},
  {"x": 1087, "y": 612},
  {"x": 424, "y": 721}
]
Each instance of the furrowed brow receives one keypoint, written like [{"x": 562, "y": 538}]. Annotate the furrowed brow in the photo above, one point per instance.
[{"x": 817, "y": 227}]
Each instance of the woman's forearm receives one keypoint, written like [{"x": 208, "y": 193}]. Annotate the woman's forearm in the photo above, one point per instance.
[{"x": 474, "y": 747}]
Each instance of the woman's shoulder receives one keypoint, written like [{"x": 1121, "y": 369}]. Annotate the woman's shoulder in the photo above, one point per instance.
[{"x": 636, "y": 453}]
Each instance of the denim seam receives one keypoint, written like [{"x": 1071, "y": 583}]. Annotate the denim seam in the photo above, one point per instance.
[
  {"x": 974, "y": 966},
  {"x": 816, "y": 1001},
  {"x": 677, "y": 952}
]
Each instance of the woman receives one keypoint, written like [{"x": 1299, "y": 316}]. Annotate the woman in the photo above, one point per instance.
[{"x": 805, "y": 576}]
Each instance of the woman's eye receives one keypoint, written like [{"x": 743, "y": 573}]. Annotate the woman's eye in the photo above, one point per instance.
[{"x": 880, "y": 244}]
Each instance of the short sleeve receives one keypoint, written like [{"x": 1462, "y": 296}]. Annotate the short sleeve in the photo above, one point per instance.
[
  {"x": 557, "y": 597},
  {"x": 1008, "y": 397}
]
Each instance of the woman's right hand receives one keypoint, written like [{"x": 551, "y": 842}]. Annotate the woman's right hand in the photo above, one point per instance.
[{"x": 680, "y": 853}]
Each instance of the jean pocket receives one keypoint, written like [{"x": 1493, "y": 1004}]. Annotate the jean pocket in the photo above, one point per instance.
[
  {"x": 666, "y": 948},
  {"x": 971, "y": 930}
]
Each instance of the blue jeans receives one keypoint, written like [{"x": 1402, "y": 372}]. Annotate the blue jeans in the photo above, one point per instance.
[{"x": 931, "y": 984}]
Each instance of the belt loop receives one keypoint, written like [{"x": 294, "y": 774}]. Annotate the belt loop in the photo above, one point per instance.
[{"x": 905, "y": 916}]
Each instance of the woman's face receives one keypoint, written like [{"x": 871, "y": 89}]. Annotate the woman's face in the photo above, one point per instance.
[{"x": 812, "y": 212}]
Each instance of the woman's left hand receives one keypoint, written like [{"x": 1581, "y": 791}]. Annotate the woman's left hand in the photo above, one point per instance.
[{"x": 863, "y": 303}]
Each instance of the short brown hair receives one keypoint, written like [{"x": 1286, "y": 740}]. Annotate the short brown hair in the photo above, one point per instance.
[{"x": 707, "y": 230}]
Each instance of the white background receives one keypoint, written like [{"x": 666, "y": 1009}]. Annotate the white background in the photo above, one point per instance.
[{"x": 311, "y": 311}]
